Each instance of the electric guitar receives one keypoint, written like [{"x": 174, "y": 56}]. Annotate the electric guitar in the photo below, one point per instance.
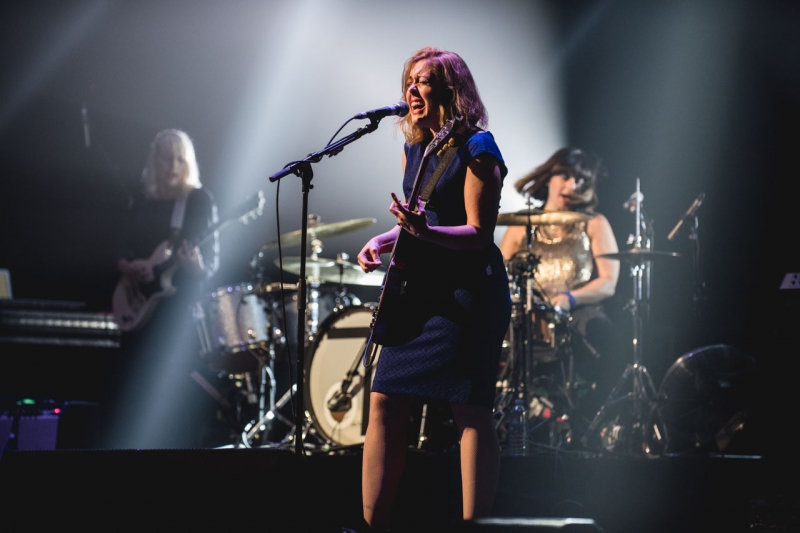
[
  {"x": 388, "y": 312},
  {"x": 133, "y": 302}
]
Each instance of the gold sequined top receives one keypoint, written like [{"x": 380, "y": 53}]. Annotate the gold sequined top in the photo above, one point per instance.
[{"x": 565, "y": 257}]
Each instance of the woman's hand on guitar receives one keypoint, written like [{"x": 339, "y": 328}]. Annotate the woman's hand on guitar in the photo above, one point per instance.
[
  {"x": 138, "y": 270},
  {"x": 369, "y": 258},
  {"x": 189, "y": 258},
  {"x": 414, "y": 222}
]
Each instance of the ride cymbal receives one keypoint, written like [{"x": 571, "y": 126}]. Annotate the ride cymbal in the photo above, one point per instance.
[
  {"x": 539, "y": 217},
  {"x": 321, "y": 231}
]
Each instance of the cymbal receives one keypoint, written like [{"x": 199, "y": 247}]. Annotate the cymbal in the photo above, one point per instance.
[
  {"x": 537, "y": 216},
  {"x": 640, "y": 255},
  {"x": 329, "y": 270},
  {"x": 321, "y": 231}
]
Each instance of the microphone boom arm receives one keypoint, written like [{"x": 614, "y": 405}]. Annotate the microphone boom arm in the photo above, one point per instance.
[
  {"x": 690, "y": 213},
  {"x": 330, "y": 150}
]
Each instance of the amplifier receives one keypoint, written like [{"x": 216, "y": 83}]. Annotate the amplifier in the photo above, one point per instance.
[{"x": 52, "y": 322}]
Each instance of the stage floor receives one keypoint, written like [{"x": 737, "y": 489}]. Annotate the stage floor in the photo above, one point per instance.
[{"x": 275, "y": 490}]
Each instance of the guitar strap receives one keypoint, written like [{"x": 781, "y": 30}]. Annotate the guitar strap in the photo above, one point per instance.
[
  {"x": 178, "y": 214},
  {"x": 444, "y": 162}
]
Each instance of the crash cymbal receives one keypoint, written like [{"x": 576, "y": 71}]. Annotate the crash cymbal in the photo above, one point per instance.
[
  {"x": 321, "y": 231},
  {"x": 332, "y": 271},
  {"x": 640, "y": 255},
  {"x": 537, "y": 216}
]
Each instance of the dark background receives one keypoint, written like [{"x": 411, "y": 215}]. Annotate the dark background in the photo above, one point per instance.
[{"x": 688, "y": 96}]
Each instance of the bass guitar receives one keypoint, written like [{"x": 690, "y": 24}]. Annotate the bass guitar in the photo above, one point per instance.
[
  {"x": 387, "y": 313},
  {"x": 133, "y": 303}
]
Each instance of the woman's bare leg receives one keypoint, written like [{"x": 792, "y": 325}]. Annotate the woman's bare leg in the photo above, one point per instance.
[
  {"x": 480, "y": 459},
  {"x": 384, "y": 456}
]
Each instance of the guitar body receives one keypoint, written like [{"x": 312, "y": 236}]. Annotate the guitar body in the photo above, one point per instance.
[
  {"x": 133, "y": 303},
  {"x": 389, "y": 311},
  {"x": 388, "y": 315}
]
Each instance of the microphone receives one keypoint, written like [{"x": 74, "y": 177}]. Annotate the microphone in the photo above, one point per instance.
[
  {"x": 87, "y": 139},
  {"x": 630, "y": 203},
  {"x": 341, "y": 402},
  {"x": 400, "y": 109},
  {"x": 690, "y": 213}
]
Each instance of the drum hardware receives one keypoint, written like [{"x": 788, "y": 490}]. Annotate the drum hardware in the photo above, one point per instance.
[
  {"x": 539, "y": 339},
  {"x": 613, "y": 434},
  {"x": 252, "y": 430},
  {"x": 321, "y": 304}
]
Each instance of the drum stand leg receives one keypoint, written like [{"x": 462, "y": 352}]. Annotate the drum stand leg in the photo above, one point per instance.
[
  {"x": 422, "y": 438},
  {"x": 643, "y": 391},
  {"x": 266, "y": 420}
]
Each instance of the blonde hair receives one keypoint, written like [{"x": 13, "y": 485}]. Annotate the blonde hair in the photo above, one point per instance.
[
  {"x": 459, "y": 95},
  {"x": 192, "y": 179}
]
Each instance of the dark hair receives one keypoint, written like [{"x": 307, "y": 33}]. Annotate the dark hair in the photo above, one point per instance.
[
  {"x": 571, "y": 162},
  {"x": 460, "y": 95}
]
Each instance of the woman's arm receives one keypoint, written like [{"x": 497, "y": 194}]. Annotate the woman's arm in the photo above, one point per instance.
[
  {"x": 511, "y": 241},
  {"x": 603, "y": 286}
]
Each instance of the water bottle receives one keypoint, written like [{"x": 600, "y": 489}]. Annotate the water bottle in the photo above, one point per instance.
[{"x": 518, "y": 428}]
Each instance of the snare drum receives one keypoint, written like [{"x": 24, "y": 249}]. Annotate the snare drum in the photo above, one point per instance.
[
  {"x": 234, "y": 328},
  {"x": 336, "y": 349}
]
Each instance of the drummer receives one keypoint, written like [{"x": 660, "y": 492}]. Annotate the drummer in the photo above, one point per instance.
[{"x": 569, "y": 273}]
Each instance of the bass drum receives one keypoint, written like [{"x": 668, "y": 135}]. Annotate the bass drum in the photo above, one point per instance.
[
  {"x": 320, "y": 303},
  {"x": 336, "y": 350}
]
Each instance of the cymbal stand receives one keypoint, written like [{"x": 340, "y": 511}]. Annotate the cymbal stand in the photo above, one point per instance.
[
  {"x": 643, "y": 390},
  {"x": 516, "y": 376},
  {"x": 699, "y": 295},
  {"x": 523, "y": 372},
  {"x": 252, "y": 429}
]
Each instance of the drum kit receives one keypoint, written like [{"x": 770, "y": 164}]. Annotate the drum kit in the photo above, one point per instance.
[
  {"x": 246, "y": 328},
  {"x": 538, "y": 365}
]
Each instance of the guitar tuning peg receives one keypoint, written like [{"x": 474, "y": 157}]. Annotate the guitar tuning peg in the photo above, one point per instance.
[
  {"x": 451, "y": 142},
  {"x": 440, "y": 153}
]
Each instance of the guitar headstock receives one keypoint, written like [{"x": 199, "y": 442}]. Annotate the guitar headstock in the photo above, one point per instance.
[
  {"x": 252, "y": 207},
  {"x": 443, "y": 135}
]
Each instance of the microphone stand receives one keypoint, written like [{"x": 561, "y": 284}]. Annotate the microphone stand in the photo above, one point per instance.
[
  {"x": 303, "y": 170},
  {"x": 699, "y": 296}
]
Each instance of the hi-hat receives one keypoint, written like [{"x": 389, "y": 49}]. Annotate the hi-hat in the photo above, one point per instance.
[
  {"x": 293, "y": 238},
  {"x": 537, "y": 216},
  {"x": 333, "y": 271},
  {"x": 640, "y": 255}
]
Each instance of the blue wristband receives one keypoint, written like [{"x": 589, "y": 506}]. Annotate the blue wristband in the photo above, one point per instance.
[{"x": 571, "y": 298}]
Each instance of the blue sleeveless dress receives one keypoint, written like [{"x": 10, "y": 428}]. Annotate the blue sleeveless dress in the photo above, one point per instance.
[{"x": 457, "y": 306}]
